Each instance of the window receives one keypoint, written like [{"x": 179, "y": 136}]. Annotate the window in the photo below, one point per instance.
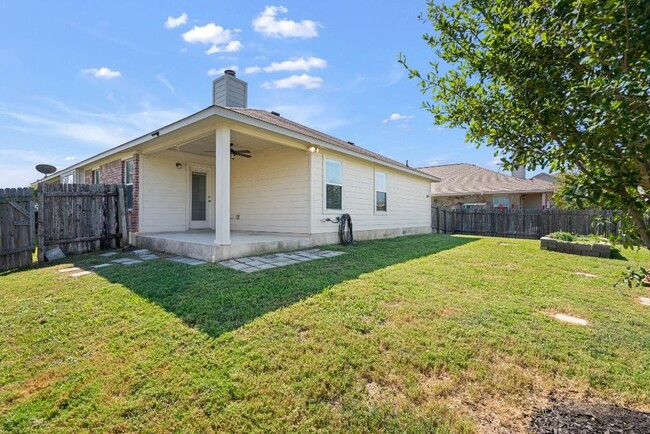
[
  {"x": 501, "y": 202},
  {"x": 333, "y": 184},
  {"x": 129, "y": 171},
  {"x": 380, "y": 192},
  {"x": 96, "y": 176},
  {"x": 67, "y": 179}
]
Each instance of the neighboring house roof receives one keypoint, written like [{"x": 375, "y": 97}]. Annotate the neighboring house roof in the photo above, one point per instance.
[
  {"x": 467, "y": 179},
  {"x": 246, "y": 115},
  {"x": 545, "y": 177}
]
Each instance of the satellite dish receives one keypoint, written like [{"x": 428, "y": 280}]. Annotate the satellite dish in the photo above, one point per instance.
[{"x": 45, "y": 169}]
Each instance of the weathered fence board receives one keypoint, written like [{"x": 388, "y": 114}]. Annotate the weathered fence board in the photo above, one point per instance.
[
  {"x": 17, "y": 239},
  {"x": 80, "y": 218},
  {"x": 532, "y": 224}
]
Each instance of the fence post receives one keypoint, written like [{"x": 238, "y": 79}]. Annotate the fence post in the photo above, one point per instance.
[
  {"x": 121, "y": 211},
  {"x": 41, "y": 224}
]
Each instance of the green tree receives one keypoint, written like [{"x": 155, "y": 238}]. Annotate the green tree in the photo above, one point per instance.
[{"x": 551, "y": 83}]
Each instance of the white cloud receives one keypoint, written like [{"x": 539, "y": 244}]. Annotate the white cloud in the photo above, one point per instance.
[
  {"x": 69, "y": 158},
  {"x": 267, "y": 24},
  {"x": 305, "y": 81},
  {"x": 231, "y": 47},
  {"x": 293, "y": 64},
  {"x": 215, "y": 71},
  {"x": 172, "y": 22},
  {"x": 396, "y": 117},
  {"x": 209, "y": 34},
  {"x": 103, "y": 72}
]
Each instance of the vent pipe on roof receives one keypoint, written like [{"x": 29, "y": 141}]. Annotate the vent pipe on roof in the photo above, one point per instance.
[{"x": 229, "y": 91}]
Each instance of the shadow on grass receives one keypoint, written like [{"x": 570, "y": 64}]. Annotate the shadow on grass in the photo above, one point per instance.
[{"x": 216, "y": 299}]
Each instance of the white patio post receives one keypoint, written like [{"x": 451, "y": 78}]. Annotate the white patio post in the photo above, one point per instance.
[{"x": 222, "y": 187}]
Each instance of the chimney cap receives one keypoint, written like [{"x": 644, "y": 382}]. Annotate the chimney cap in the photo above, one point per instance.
[{"x": 230, "y": 72}]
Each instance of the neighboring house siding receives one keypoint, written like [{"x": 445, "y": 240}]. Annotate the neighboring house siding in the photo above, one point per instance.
[
  {"x": 517, "y": 201},
  {"x": 407, "y": 197},
  {"x": 164, "y": 190},
  {"x": 269, "y": 192}
]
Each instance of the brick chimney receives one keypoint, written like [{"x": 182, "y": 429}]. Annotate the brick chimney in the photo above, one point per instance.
[{"x": 229, "y": 91}]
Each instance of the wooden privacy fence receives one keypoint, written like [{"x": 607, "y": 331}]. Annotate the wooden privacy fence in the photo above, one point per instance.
[
  {"x": 81, "y": 218},
  {"x": 532, "y": 224},
  {"x": 17, "y": 232}
]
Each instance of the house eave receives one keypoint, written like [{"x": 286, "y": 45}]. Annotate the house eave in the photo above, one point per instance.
[{"x": 220, "y": 112}]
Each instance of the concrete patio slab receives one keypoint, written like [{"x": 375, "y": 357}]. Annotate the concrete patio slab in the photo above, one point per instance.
[{"x": 68, "y": 270}]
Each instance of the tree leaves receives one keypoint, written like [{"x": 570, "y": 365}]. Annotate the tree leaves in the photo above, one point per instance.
[{"x": 558, "y": 83}]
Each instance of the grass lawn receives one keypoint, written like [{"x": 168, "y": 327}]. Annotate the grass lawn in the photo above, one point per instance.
[{"x": 417, "y": 334}]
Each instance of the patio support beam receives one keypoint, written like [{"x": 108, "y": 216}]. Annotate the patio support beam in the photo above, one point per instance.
[{"x": 222, "y": 185}]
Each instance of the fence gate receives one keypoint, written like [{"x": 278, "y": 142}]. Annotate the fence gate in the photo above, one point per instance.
[
  {"x": 17, "y": 232},
  {"x": 80, "y": 218}
]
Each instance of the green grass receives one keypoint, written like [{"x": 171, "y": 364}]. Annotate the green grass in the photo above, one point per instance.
[{"x": 416, "y": 334}]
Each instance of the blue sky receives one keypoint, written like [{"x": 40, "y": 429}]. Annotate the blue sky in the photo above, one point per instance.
[{"x": 81, "y": 77}]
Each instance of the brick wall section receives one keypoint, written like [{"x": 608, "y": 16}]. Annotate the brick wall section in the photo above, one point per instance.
[
  {"x": 134, "y": 215},
  {"x": 111, "y": 173},
  {"x": 88, "y": 176}
]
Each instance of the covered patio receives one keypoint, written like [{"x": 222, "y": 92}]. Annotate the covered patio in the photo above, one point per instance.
[{"x": 200, "y": 243}]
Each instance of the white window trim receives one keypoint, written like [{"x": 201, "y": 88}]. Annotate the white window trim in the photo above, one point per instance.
[
  {"x": 327, "y": 210},
  {"x": 374, "y": 192},
  {"x": 125, "y": 162}
]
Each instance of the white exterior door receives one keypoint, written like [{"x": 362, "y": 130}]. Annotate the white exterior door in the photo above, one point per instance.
[{"x": 200, "y": 197}]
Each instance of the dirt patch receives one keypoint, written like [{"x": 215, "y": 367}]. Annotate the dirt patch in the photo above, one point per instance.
[
  {"x": 580, "y": 273},
  {"x": 587, "y": 418}
]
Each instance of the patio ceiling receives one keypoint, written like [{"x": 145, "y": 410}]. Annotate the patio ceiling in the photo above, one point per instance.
[{"x": 205, "y": 145}]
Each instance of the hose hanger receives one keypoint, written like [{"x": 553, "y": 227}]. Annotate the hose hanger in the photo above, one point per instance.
[{"x": 344, "y": 221}]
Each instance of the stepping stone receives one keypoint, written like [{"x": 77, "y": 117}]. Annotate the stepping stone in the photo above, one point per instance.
[
  {"x": 570, "y": 319},
  {"x": 131, "y": 262},
  {"x": 108, "y": 254},
  {"x": 228, "y": 263},
  {"x": 141, "y": 251},
  {"x": 266, "y": 266},
  {"x": 67, "y": 270},
  {"x": 81, "y": 273},
  {"x": 250, "y": 270},
  {"x": 331, "y": 254},
  {"x": 186, "y": 260},
  {"x": 122, "y": 260},
  {"x": 236, "y": 266},
  {"x": 149, "y": 257},
  {"x": 580, "y": 273},
  {"x": 102, "y": 265},
  {"x": 644, "y": 301}
]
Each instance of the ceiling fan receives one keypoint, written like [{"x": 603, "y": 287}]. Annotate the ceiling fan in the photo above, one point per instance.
[{"x": 236, "y": 153}]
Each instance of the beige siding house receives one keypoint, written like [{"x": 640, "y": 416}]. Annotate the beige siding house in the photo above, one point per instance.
[
  {"x": 469, "y": 186},
  {"x": 231, "y": 181}
]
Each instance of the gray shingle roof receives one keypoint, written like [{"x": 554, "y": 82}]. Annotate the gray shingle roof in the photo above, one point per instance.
[
  {"x": 279, "y": 121},
  {"x": 467, "y": 179}
]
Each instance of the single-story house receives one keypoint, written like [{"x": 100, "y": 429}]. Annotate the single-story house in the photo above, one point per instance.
[
  {"x": 469, "y": 186},
  {"x": 231, "y": 181}
]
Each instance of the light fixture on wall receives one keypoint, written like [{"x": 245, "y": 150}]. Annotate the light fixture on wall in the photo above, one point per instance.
[
  {"x": 313, "y": 149},
  {"x": 179, "y": 165}
]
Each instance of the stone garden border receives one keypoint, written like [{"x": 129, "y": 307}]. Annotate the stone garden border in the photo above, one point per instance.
[{"x": 599, "y": 250}]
